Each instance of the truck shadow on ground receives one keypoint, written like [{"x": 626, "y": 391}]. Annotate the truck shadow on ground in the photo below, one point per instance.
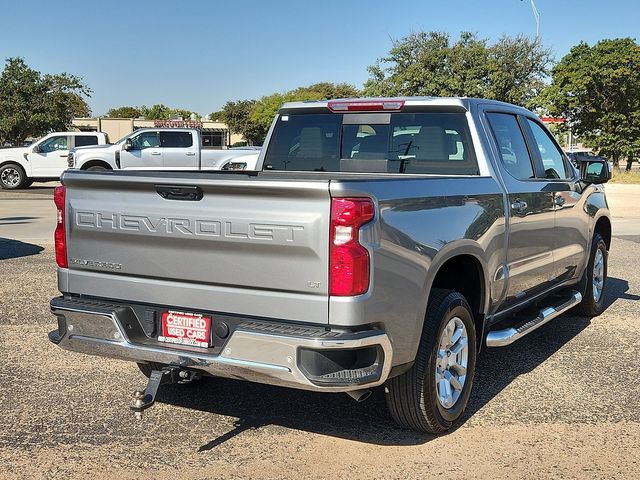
[
  {"x": 32, "y": 189},
  {"x": 16, "y": 220},
  {"x": 14, "y": 248},
  {"x": 338, "y": 415}
]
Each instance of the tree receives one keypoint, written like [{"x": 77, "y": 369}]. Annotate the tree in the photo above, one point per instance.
[
  {"x": 124, "y": 112},
  {"x": 266, "y": 108},
  {"x": 597, "y": 89},
  {"x": 216, "y": 116},
  {"x": 430, "y": 64},
  {"x": 162, "y": 112},
  {"x": 252, "y": 118},
  {"x": 237, "y": 116},
  {"x": 32, "y": 104},
  {"x": 518, "y": 70},
  {"x": 325, "y": 91}
]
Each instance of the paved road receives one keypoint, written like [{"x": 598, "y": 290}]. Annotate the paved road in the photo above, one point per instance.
[
  {"x": 564, "y": 402},
  {"x": 28, "y": 215}
]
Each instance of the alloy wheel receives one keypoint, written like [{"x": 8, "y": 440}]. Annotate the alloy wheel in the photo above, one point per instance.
[
  {"x": 10, "y": 177},
  {"x": 598, "y": 275},
  {"x": 451, "y": 365}
]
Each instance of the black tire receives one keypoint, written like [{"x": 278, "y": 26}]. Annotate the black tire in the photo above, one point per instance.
[
  {"x": 12, "y": 177},
  {"x": 412, "y": 398},
  {"x": 28, "y": 183},
  {"x": 97, "y": 168},
  {"x": 590, "y": 307}
]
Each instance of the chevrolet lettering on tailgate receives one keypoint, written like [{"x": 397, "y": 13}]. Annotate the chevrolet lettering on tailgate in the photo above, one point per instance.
[{"x": 112, "y": 221}]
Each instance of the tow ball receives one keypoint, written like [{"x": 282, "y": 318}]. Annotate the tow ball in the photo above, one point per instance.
[{"x": 143, "y": 400}]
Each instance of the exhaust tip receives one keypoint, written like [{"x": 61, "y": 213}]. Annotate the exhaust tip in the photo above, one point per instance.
[{"x": 360, "y": 395}]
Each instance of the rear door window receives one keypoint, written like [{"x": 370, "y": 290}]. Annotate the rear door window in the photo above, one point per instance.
[
  {"x": 84, "y": 140},
  {"x": 511, "y": 145},
  {"x": 417, "y": 143},
  {"x": 176, "y": 139}
]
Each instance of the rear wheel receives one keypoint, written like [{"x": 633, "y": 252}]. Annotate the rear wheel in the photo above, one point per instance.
[
  {"x": 594, "y": 279},
  {"x": 12, "y": 177},
  {"x": 97, "y": 168},
  {"x": 433, "y": 394}
]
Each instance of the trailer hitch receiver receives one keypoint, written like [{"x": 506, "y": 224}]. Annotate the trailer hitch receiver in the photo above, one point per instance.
[{"x": 143, "y": 400}]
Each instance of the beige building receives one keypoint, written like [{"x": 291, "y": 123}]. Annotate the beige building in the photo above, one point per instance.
[{"x": 214, "y": 134}]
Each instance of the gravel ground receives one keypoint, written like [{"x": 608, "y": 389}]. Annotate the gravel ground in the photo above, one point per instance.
[{"x": 562, "y": 403}]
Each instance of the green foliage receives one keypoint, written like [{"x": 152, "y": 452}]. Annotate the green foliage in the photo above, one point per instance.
[
  {"x": 237, "y": 116},
  {"x": 216, "y": 116},
  {"x": 598, "y": 90},
  {"x": 266, "y": 108},
  {"x": 162, "y": 112},
  {"x": 155, "y": 112},
  {"x": 252, "y": 118},
  {"x": 124, "y": 112},
  {"x": 32, "y": 104},
  {"x": 431, "y": 64}
]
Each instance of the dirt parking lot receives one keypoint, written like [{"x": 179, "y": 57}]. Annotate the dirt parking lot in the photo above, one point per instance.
[{"x": 562, "y": 403}]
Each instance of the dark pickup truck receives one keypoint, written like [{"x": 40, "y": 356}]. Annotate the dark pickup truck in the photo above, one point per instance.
[{"x": 379, "y": 242}]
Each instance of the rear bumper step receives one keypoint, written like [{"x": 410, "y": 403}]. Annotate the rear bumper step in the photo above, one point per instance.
[
  {"x": 253, "y": 352},
  {"x": 501, "y": 338}
]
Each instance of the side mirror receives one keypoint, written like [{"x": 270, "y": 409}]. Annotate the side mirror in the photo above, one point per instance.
[
  {"x": 128, "y": 145},
  {"x": 36, "y": 149},
  {"x": 595, "y": 171}
]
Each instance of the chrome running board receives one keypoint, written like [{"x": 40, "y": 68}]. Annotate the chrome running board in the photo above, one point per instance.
[{"x": 501, "y": 338}]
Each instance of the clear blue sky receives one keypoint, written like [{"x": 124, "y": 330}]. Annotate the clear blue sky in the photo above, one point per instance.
[{"x": 198, "y": 54}]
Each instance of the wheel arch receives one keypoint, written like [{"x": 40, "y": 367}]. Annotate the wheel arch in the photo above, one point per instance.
[
  {"x": 603, "y": 227},
  {"x": 465, "y": 260},
  {"x": 96, "y": 163},
  {"x": 14, "y": 162}
]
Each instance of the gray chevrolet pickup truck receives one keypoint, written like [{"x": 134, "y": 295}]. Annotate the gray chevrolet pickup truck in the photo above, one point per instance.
[{"x": 380, "y": 242}]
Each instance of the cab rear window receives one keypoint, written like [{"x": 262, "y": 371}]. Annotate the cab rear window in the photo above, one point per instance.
[
  {"x": 85, "y": 140},
  {"x": 413, "y": 143}
]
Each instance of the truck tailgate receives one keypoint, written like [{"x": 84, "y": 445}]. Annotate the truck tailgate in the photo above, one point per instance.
[{"x": 248, "y": 246}]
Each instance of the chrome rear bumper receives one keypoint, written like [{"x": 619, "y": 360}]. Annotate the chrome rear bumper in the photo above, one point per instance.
[{"x": 248, "y": 354}]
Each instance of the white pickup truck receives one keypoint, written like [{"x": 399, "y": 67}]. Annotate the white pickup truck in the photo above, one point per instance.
[
  {"x": 154, "y": 148},
  {"x": 43, "y": 160}
]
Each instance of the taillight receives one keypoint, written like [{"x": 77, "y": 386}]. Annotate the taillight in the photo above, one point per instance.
[
  {"x": 366, "y": 105},
  {"x": 348, "y": 260},
  {"x": 60, "y": 236}
]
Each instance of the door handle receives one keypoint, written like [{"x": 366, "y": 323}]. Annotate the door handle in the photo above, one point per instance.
[
  {"x": 155, "y": 153},
  {"x": 191, "y": 154},
  {"x": 519, "y": 206},
  {"x": 179, "y": 192},
  {"x": 65, "y": 155}
]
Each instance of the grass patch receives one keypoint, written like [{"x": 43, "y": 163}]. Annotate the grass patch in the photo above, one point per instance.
[{"x": 626, "y": 177}]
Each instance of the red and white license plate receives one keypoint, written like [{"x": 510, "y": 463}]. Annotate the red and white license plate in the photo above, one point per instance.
[{"x": 185, "y": 329}]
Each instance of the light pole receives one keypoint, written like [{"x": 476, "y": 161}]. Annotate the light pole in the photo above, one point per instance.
[{"x": 536, "y": 15}]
